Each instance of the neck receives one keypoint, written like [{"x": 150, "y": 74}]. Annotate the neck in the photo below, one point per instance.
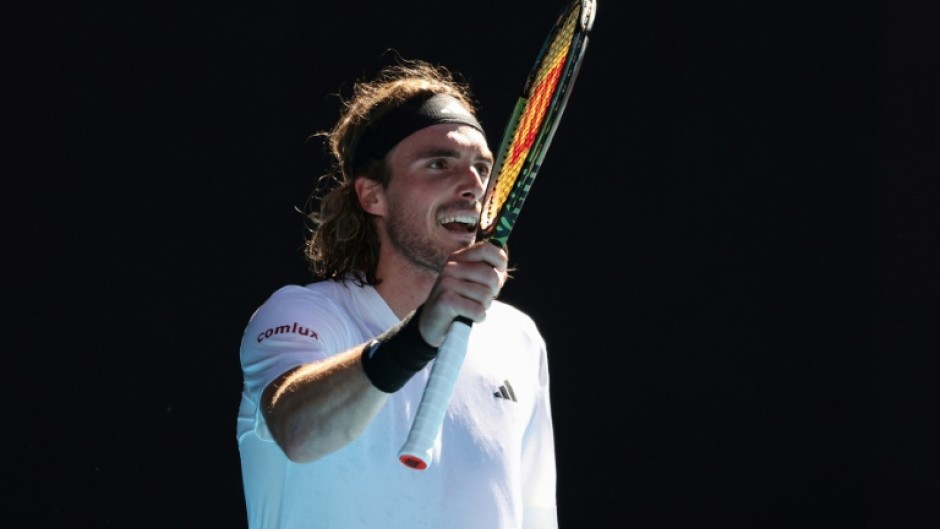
[{"x": 404, "y": 285}]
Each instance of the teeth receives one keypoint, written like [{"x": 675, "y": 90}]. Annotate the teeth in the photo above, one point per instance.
[{"x": 470, "y": 220}]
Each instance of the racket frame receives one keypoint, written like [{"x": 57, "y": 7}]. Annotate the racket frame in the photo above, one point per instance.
[{"x": 417, "y": 452}]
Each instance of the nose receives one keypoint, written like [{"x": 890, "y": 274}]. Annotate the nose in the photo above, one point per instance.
[{"x": 473, "y": 184}]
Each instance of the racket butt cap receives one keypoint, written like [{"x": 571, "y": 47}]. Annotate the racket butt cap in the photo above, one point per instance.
[{"x": 413, "y": 462}]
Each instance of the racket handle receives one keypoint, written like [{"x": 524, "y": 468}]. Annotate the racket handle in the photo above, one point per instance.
[{"x": 416, "y": 452}]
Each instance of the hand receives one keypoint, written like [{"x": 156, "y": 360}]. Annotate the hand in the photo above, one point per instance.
[{"x": 467, "y": 285}]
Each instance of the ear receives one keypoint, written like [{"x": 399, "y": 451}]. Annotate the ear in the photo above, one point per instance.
[{"x": 371, "y": 196}]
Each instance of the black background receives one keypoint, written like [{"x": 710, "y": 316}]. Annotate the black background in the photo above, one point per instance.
[{"x": 729, "y": 248}]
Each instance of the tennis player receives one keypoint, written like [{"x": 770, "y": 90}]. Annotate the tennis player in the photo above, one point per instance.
[{"x": 335, "y": 369}]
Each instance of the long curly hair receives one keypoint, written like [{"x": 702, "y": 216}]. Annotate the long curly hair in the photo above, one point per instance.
[{"x": 342, "y": 240}]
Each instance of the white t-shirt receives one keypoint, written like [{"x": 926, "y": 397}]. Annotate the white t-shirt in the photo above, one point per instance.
[{"x": 493, "y": 466}]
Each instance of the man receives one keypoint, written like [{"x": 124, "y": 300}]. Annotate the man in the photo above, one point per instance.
[{"x": 334, "y": 370}]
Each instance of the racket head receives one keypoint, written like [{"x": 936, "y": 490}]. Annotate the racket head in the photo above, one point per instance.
[{"x": 535, "y": 118}]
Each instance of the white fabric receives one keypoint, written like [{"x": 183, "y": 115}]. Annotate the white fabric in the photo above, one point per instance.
[{"x": 493, "y": 466}]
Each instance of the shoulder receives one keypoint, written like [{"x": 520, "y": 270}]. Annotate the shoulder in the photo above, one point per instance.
[
  {"x": 321, "y": 299},
  {"x": 505, "y": 311},
  {"x": 505, "y": 318},
  {"x": 330, "y": 293}
]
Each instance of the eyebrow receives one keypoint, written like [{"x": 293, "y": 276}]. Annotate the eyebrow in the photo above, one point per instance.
[
  {"x": 442, "y": 152},
  {"x": 438, "y": 152}
]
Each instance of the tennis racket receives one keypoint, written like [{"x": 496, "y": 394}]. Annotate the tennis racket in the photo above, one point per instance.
[{"x": 525, "y": 141}]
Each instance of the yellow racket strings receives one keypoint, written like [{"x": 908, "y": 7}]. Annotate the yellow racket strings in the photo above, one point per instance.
[{"x": 532, "y": 117}]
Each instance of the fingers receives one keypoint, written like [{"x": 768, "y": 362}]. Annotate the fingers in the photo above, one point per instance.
[
  {"x": 466, "y": 286},
  {"x": 469, "y": 288},
  {"x": 481, "y": 271},
  {"x": 483, "y": 252}
]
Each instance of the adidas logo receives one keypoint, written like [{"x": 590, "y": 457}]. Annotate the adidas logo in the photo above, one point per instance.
[{"x": 505, "y": 392}]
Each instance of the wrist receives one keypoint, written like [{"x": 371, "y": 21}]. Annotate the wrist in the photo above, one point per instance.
[{"x": 393, "y": 358}]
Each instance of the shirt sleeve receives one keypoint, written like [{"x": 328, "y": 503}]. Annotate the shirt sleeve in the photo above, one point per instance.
[{"x": 295, "y": 326}]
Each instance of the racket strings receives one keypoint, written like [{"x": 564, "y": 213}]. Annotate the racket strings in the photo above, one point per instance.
[{"x": 542, "y": 90}]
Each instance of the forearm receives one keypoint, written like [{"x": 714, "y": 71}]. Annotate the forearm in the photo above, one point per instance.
[{"x": 319, "y": 408}]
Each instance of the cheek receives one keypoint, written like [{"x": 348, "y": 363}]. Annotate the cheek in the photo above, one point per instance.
[{"x": 412, "y": 201}]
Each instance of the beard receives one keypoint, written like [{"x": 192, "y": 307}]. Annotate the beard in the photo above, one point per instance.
[{"x": 408, "y": 238}]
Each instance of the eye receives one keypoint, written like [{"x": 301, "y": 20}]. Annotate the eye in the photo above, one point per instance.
[
  {"x": 483, "y": 169},
  {"x": 438, "y": 163}
]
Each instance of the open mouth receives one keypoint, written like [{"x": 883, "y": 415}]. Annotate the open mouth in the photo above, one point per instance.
[{"x": 459, "y": 223}]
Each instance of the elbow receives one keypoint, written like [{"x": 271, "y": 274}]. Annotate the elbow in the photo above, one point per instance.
[
  {"x": 298, "y": 447},
  {"x": 294, "y": 448},
  {"x": 299, "y": 454},
  {"x": 313, "y": 445}
]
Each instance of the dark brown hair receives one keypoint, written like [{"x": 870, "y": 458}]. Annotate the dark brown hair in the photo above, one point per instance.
[{"x": 342, "y": 239}]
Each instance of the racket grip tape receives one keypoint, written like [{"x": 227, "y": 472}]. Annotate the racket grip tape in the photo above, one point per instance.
[{"x": 417, "y": 451}]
